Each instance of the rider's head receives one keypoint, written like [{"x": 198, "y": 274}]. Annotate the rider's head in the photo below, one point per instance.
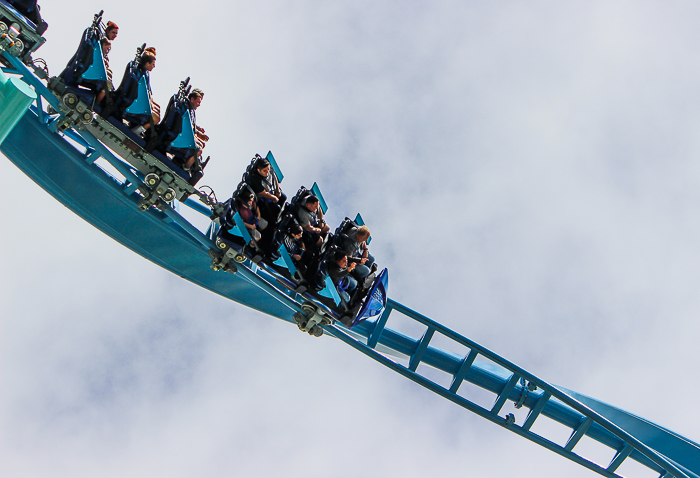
[
  {"x": 362, "y": 233},
  {"x": 295, "y": 230},
  {"x": 148, "y": 59},
  {"x": 195, "y": 98},
  {"x": 311, "y": 203},
  {"x": 111, "y": 31},
  {"x": 340, "y": 258}
]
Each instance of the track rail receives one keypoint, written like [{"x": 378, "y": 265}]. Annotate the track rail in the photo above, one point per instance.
[{"x": 677, "y": 457}]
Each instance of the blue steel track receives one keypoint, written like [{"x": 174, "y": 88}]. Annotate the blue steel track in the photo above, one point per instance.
[{"x": 66, "y": 166}]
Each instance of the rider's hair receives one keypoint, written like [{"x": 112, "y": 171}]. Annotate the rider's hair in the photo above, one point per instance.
[
  {"x": 148, "y": 55},
  {"x": 196, "y": 93},
  {"x": 363, "y": 231},
  {"x": 295, "y": 229},
  {"x": 261, "y": 163},
  {"x": 338, "y": 255}
]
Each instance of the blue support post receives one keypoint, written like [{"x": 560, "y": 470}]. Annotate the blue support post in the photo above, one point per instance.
[
  {"x": 275, "y": 166},
  {"x": 373, "y": 339},
  {"x": 620, "y": 457},
  {"x": 15, "y": 98},
  {"x": 536, "y": 410},
  {"x": 422, "y": 346},
  {"x": 286, "y": 260},
  {"x": 242, "y": 228},
  {"x": 464, "y": 367},
  {"x": 31, "y": 79},
  {"x": 578, "y": 434},
  {"x": 330, "y": 291},
  {"x": 505, "y": 393},
  {"x": 322, "y": 202}
]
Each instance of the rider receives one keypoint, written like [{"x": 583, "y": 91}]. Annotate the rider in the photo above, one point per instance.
[
  {"x": 111, "y": 31},
  {"x": 250, "y": 214},
  {"x": 340, "y": 273},
  {"x": 106, "y": 92},
  {"x": 83, "y": 58},
  {"x": 293, "y": 243},
  {"x": 128, "y": 90},
  {"x": 310, "y": 218},
  {"x": 194, "y": 163},
  {"x": 264, "y": 184},
  {"x": 354, "y": 243},
  {"x": 195, "y": 100}
]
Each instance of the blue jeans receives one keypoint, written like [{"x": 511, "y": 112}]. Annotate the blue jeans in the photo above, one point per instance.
[
  {"x": 351, "y": 286},
  {"x": 363, "y": 270}
]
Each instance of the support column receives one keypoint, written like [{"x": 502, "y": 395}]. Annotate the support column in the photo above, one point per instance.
[{"x": 15, "y": 98}]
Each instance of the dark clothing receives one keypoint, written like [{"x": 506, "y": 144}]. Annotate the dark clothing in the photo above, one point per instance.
[
  {"x": 344, "y": 282},
  {"x": 128, "y": 92},
  {"x": 294, "y": 246},
  {"x": 258, "y": 183},
  {"x": 25, "y": 7},
  {"x": 336, "y": 272},
  {"x": 306, "y": 217},
  {"x": 81, "y": 61},
  {"x": 248, "y": 215},
  {"x": 31, "y": 10},
  {"x": 193, "y": 115},
  {"x": 270, "y": 210},
  {"x": 351, "y": 246}
]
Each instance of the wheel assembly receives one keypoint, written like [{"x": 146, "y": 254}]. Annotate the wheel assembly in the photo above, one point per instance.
[
  {"x": 239, "y": 258},
  {"x": 70, "y": 100},
  {"x": 152, "y": 179},
  {"x": 169, "y": 195}
]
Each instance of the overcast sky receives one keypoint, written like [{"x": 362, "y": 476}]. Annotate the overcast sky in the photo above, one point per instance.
[{"x": 530, "y": 174}]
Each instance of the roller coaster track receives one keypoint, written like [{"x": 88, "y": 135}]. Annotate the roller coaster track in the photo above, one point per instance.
[{"x": 70, "y": 165}]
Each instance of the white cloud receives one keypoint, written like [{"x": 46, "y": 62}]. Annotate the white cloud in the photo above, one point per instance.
[{"x": 529, "y": 173}]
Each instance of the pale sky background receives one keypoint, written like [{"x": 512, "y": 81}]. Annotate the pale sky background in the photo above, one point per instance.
[{"x": 530, "y": 174}]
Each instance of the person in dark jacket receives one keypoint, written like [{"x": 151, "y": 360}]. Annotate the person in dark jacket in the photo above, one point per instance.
[
  {"x": 339, "y": 270},
  {"x": 263, "y": 181}
]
